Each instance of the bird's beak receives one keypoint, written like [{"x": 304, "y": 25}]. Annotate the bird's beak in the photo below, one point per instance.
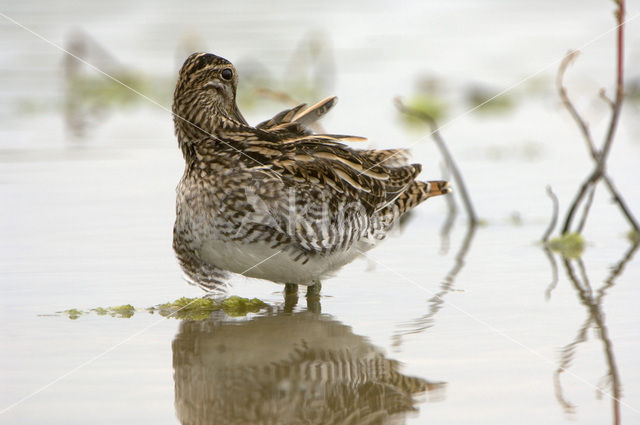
[{"x": 214, "y": 84}]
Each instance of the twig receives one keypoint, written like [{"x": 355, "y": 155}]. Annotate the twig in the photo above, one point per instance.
[
  {"x": 584, "y": 128},
  {"x": 585, "y": 210},
  {"x": 435, "y": 133},
  {"x": 603, "y": 96},
  {"x": 621, "y": 204},
  {"x": 554, "y": 215},
  {"x": 566, "y": 101},
  {"x": 617, "y": 104},
  {"x": 600, "y": 157}
]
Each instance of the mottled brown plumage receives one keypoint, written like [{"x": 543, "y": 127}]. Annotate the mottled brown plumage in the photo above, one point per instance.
[{"x": 276, "y": 201}]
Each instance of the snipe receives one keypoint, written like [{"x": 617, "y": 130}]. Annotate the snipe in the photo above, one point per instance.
[{"x": 277, "y": 201}]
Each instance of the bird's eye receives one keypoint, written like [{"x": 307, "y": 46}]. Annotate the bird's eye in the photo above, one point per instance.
[{"x": 227, "y": 73}]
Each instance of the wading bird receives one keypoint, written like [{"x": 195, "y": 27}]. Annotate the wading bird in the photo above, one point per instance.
[{"x": 276, "y": 201}]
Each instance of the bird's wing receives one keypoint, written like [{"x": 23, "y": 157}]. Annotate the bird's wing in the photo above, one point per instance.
[
  {"x": 321, "y": 160},
  {"x": 300, "y": 114},
  {"x": 388, "y": 157}
]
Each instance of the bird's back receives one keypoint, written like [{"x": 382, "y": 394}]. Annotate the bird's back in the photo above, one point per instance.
[{"x": 278, "y": 190}]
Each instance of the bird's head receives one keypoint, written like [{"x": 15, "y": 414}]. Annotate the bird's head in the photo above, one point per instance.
[{"x": 206, "y": 88}]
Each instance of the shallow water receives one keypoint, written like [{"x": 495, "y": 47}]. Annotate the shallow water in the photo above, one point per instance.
[{"x": 421, "y": 331}]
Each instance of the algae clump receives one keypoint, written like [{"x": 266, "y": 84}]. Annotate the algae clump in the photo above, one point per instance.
[
  {"x": 183, "y": 308},
  {"x": 429, "y": 104},
  {"x": 237, "y": 306},
  {"x": 570, "y": 245},
  {"x": 188, "y": 308},
  {"x": 73, "y": 313},
  {"x": 124, "y": 311}
]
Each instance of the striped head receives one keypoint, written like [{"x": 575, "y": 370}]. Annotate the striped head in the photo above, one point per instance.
[{"x": 206, "y": 88}]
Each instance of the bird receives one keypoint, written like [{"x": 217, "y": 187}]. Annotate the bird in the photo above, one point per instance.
[{"x": 277, "y": 201}]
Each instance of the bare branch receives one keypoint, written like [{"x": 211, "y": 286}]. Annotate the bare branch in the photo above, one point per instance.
[
  {"x": 566, "y": 101},
  {"x": 621, "y": 203},
  {"x": 587, "y": 207},
  {"x": 435, "y": 133},
  {"x": 600, "y": 157},
  {"x": 617, "y": 105},
  {"x": 603, "y": 96},
  {"x": 554, "y": 215}
]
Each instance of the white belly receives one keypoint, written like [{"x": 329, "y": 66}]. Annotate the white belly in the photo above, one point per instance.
[{"x": 260, "y": 261}]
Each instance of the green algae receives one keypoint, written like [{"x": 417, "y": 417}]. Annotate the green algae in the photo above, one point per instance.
[
  {"x": 123, "y": 311},
  {"x": 486, "y": 101},
  {"x": 633, "y": 236},
  {"x": 182, "y": 308},
  {"x": 570, "y": 245},
  {"x": 237, "y": 306},
  {"x": 73, "y": 313},
  {"x": 187, "y": 308},
  {"x": 201, "y": 308},
  {"x": 425, "y": 103}
]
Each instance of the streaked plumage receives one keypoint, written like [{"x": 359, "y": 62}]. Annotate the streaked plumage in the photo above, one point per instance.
[
  {"x": 284, "y": 368},
  {"x": 276, "y": 201}
]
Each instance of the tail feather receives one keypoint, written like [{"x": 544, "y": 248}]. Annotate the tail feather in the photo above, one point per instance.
[
  {"x": 435, "y": 188},
  {"x": 415, "y": 194},
  {"x": 420, "y": 192}
]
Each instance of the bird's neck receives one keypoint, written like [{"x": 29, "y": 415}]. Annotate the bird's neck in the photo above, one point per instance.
[{"x": 207, "y": 121}]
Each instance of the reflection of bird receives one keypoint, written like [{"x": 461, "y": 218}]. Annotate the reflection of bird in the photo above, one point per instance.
[
  {"x": 288, "y": 369},
  {"x": 276, "y": 201}
]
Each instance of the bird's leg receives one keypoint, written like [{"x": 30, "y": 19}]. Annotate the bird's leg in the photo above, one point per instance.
[
  {"x": 314, "y": 290},
  {"x": 313, "y": 297},
  {"x": 290, "y": 296},
  {"x": 290, "y": 288}
]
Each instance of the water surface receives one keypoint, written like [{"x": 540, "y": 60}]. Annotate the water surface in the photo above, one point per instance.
[{"x": 473, "y": 330}]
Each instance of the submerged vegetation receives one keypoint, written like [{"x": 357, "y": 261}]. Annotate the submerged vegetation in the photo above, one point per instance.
[
  {"x": 182, "y": 308},
  {"x": 570, "y": 245},
  {"x": 489, "y": 101},
  {"x": 429, "y": 104}
]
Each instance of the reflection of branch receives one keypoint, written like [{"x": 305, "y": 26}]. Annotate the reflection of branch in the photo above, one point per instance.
[
  {"x": 452, "y": 212},
  {"x": 436, "y": 302},
  {"x": 600, "y": 157},
  {"x": 545, "y": 246},
  {"x": 435, "y": 133},
  {"x": 618, "y": 269},
  {"x": 595, "y": 319},
  {"x": 566, "y": 357},
  {"x": 554, "y": 271}
]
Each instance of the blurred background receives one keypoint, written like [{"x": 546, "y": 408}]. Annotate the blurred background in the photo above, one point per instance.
[{"x": 474, "y": 326}]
